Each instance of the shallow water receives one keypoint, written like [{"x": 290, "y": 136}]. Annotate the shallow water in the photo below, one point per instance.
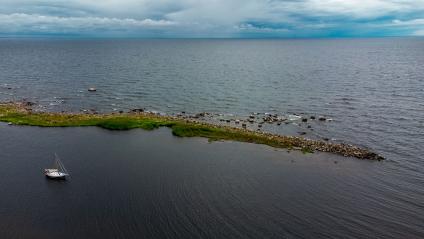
[
  {"x": 373, "y": 89},
  {"x": 145, "y": 184}
]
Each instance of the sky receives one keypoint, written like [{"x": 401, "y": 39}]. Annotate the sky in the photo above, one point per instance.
[{"x": 212, "y": 18}]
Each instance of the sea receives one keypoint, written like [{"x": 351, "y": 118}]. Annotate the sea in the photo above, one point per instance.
[{"x": 150, "y": 184}]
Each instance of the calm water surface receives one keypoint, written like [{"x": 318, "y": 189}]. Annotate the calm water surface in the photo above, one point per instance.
[
  {"x": 153, "y": 185},
  {"x": 373, "y": 89}
]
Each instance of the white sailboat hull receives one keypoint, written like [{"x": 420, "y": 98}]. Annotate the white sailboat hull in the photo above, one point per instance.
[{"x": 54, "y": 174}]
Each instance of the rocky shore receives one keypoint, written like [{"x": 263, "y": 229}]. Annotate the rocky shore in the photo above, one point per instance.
[{"x": 183, "y": 125}]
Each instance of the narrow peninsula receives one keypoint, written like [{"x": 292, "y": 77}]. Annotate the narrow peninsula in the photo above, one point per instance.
[{"x": 21, "y": 113}]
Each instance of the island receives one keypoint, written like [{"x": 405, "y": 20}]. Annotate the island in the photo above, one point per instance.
[{"x": 22, "y": 113}]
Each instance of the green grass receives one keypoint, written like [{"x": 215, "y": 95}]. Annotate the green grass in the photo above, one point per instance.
[{"x": 18, "y": 114}]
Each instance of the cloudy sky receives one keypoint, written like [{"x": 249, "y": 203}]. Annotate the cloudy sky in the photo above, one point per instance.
[{"x": 212, "y": 18}]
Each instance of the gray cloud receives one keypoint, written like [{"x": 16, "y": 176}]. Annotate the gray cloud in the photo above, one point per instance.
[{"x": 205, "y": 17}]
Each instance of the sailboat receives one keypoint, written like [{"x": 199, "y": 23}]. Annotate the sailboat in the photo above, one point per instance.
[{"x": 58, "y": 171}]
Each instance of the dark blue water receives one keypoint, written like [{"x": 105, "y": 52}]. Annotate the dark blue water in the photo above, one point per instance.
[
  {"x": 373, "y": 89},
  {"x": 139, "y": 184}
]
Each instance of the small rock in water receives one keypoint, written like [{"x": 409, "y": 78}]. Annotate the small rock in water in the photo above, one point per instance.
[
  {"x": 304, "y": 120},
  {"x": 312, "y": 117},
  {"x": 237, "y": 121},
  {"x": 198, "y": 115},
  {"x": 243, "y": 125},
  {"x": 92, "y": 89},
  {"x": 137, "y": 110},
  {"x": 10, "y": 123}
]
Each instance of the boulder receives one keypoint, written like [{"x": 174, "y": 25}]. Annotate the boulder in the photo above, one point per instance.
[{"x": 137, "y": 110}]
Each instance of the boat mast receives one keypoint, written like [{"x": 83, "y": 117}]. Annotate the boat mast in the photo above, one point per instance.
[{"x": 60, "y": 165}]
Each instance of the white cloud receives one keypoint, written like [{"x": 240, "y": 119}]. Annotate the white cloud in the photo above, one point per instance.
[
  {"x": 413, "y": 22},
  {"x": 251, "y": 28},
  {"x": 200, "y": 16},
  {"x": 21, "y": 22},
  {"x": 416, "y": 26},
  {"x": 418, "y": 33}
]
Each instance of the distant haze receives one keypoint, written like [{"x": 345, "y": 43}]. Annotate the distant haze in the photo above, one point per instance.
[{"x": 212, "y": 18}]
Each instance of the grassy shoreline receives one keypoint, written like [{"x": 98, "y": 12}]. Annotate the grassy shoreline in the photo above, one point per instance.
[{"x": 20, "y": 113}]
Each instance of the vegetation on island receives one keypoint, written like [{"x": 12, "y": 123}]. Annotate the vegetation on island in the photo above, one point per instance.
[{"x": 21, "y": 113}]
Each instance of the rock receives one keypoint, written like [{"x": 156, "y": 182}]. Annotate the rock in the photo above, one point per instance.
[
  {"x": 302, "y": 133},
  {"x": 304, "y": 120},
  {"x": 250, "y": 120},
  {"x": 182, "y": 112},
  {"x": 237, "y": 121},
  {"x": 29, "y": 103},
  {"x": 309, "y": 126},
  {"x": 321, "y": 118},
  {"x": 10, "y": 123},
  {"x": 259, "y": 125},
  {"x": 121, "y": 111},
  {"x": 279, "y": 123},
  {"x": 198, "y": 115},
  {"x": 243, "y": 125},
  {"x": 312, "y": 117},
  {"x": 228, "y": 121},
  {"x": 92, "y": 89},
  {"x": 251, "y": 116},
  {"x": 137, "y": 110}
]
